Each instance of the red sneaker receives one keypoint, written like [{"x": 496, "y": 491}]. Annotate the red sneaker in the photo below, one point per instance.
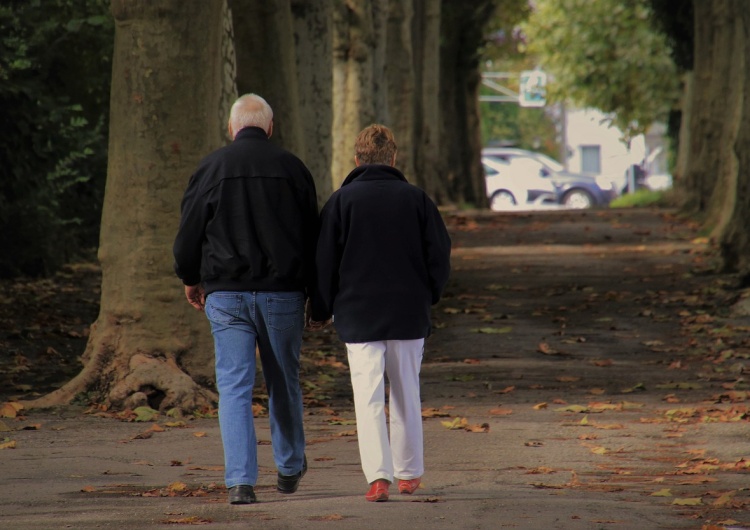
[
  {"x": 378, "y": 491},
  {"x": 407, "y": 487}
]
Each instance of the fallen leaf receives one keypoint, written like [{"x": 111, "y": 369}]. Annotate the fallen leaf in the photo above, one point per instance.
[
  {"x": 10, "y": 409},
  {"x": 725, "y": 500},
  {"x": 603, "y": 362},
  {"x": 329, "y": 517},
  {"x": 457, "y": 423},
  {"x": 540, "y": 406},
  {"x": 501, "y": 412},
  {"x": 484, "y": 427},
  {"x": 88, "y": 489},
  {"x": 348, "y": 433},
  {"x": 177, "y": 487},
  {"x": 8, "y": 444},
  {"x": 200, "y": 434},
  {"x": 666, "y": 492},
  {"x": 545, "y": 348},
  {"x": 145, "y": 413},
  {"x": 573, "y": 408},
  {"x": 434, "y": 413},
  {"x": 694, "y": 501},
  {"x": 193, "y": 519}
]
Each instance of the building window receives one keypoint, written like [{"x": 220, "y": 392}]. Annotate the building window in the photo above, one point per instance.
[{"x": 591, "y": 159}]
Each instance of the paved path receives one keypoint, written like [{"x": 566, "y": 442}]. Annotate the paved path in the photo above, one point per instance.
[{"x": 602, "y": 374}]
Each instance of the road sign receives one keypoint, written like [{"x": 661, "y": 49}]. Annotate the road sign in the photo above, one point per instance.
[{"x": 533, "y": 91}]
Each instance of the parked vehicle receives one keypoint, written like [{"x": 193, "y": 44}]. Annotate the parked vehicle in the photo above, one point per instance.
[
  {"x": 510, "y": 189},
  {"x": 572, "y": 190}
]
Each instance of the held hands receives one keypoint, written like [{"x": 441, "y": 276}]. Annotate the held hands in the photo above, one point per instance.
[
  {"x": 196, "y": 296},
  {"x": 313, "y": 325}
]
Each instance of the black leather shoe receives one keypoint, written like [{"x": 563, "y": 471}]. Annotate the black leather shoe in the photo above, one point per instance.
[
  {"x": 242, "y": 494},
  {"x": 290, "y": 483}
]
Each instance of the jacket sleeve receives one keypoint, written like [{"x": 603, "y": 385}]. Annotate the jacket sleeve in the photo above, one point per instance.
[
  {"x": 327, "y": 262},
  {"x": 188, "y": 244},
  {"x": 311, "y": 229},
  {"x": 437, "y": 250}
]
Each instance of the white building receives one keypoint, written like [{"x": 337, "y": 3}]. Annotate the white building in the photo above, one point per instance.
[{"x": 595, "y": 147}]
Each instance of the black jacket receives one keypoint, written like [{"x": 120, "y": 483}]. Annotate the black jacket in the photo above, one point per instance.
[
  {"x": 383, "y": 257},
  {"x": 249, "y": 220}
]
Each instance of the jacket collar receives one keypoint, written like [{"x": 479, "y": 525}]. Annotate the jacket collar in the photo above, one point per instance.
[
  {"x": 251, "y": 132},
  {"x": 373, "y": 172}
]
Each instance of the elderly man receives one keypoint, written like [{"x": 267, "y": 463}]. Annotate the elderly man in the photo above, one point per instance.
[{"x": 245, "y": 251}]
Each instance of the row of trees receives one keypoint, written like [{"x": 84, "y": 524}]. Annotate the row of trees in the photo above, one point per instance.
[{"x": 328, "y": 69}]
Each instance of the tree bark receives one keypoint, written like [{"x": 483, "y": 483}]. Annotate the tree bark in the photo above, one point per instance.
[
  {"x": 735, "y": 235},
  {"x": 173, "y": 69},
  {"x": 266, "y": 64},
  {"x": 705, "y": 124},
  {"x": 400, "y": 83},
  {"x": 462, "y": 36},
  {"x": 726, "y": 86},
  {"x": 427, "y": 115},
  {"x": 313, "y": 32},
  {"x": 358, "y": 98}
]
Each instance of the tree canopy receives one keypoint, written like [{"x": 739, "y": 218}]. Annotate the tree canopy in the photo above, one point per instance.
[
  {"x": 605, "y": 55},
  {"x": 55, "y": 59}
]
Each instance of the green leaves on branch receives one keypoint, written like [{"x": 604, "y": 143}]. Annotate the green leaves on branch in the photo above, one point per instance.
[{"x": 605, "y": 55}]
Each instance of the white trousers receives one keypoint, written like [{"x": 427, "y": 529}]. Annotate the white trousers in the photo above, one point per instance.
[{"x": 403, "y": 456}]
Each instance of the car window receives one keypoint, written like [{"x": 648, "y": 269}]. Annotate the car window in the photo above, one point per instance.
[
  {"x": 551, "y": 162},
  {"x": 490, "y": 171}
]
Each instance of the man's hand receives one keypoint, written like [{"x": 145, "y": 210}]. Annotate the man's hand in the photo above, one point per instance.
[
  {"x": 312, "y": 325},
  {"x": 196, "y": 296}
]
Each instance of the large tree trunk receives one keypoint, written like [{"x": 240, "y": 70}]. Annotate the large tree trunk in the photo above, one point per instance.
[
  {"x": 358, "y": 100},
  {"x": 400, "y": 84},
  {"x": 705, "y": 120},
  {"x": 313, "y": 20},
  {"x": 726, "y": 88},
  {"x": 172, "y": 86},
  {"x": 266, "y": 64},
  {"x": 427, "y": 115},
  {"x": 735, "y": 236},
  {"x": 462, "y": 36}
]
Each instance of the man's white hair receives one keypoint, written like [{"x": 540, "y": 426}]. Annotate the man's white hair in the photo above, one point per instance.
[{"x": 250, "y": 110}]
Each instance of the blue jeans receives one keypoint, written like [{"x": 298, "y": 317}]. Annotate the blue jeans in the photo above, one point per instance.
[{"x": 273, "y": 321}]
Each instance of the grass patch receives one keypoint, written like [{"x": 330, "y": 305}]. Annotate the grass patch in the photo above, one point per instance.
[{"x": 639, "y": 199}]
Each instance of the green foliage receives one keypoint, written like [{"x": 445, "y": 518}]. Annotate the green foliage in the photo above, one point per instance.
[
  {"x": 640, "y": 199},
  {"x": 505, "y": 123},
  {"x": 605, "y": 55},
  {"x": 54, "y": 103}
]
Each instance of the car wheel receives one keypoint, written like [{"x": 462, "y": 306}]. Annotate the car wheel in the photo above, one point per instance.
[
  {"x": 502, "y": 200},
  {"x": 578, "y": 199}
]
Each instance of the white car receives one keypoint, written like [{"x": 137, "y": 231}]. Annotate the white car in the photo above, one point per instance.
[
  {"x": 509, "y": 186},
  {"x": 540, "y": 173}
]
